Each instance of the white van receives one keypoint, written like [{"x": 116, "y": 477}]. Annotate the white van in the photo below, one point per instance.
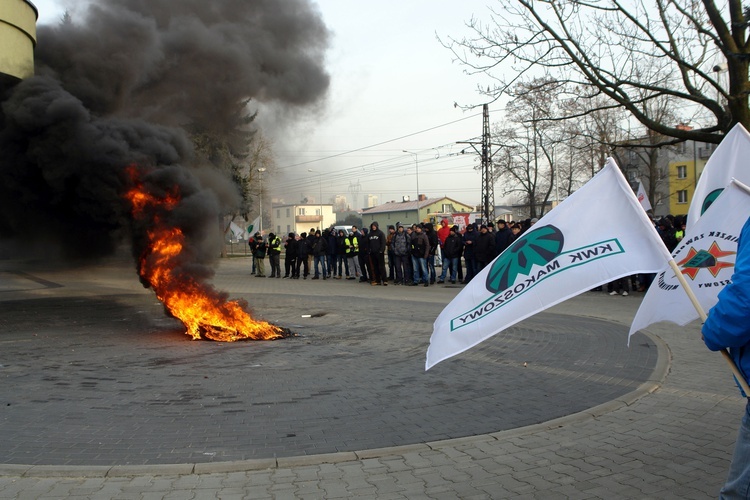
[{"x": 347, "y": 229}]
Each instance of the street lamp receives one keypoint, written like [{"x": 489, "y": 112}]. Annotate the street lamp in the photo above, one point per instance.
[
  {"x": 416, "y": 163},
  {"x": 320, "y": 186},
  {"x": 260, "y": 172}
]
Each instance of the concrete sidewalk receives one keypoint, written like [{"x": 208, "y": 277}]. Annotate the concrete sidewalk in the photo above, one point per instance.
[{"x": 668, "y": 437}]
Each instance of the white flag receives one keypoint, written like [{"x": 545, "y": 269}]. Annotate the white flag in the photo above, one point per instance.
[
  {"x": 238, "y": 232},
  {"x": 705, "y": 256},
  {"x": 254, "y": 226},
  {"x": 730, "y": 160},
  {"x": 642, "y": 197},
  {"x": 597, "y": 234}
]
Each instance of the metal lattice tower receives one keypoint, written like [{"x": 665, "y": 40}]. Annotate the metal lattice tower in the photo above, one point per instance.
[
  {"x": 488, "y": 177},
  {"x": 488, "y": 181}
]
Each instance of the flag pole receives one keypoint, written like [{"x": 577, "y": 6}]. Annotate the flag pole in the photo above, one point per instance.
[{"x": 737, "y": 374}]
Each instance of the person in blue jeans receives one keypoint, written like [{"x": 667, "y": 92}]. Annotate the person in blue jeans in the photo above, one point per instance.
[
  {"x": 470, "y": 239},
  {"x": 420, "y": 250},
  {"x": 434, "y": 243},
  {"x": 451, "y": 254},
  {"x": 728, "y": 327},
  {"x": 320, "y": 252}
]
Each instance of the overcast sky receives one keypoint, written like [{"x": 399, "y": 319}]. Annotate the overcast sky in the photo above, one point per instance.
[{"x": 393, "y": 88}]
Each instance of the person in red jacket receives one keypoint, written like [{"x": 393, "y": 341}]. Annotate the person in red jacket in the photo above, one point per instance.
[{"x": 443, "y": 232}]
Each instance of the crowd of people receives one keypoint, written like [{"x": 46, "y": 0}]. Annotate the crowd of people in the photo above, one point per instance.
[
  {"x": 408, "y": 254},
  {"x": 403, "y": 255}
]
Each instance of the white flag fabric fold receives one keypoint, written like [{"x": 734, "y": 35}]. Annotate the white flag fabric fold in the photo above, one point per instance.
[
  {"x": 254, "y": 226},
  {"x": 597, "y": 234},
  {"x": 730, "y": 160},
  {"x": 643, "y": 197},
  {"x": 237, "y": 232},
  {"x": 705, "y": 257}
]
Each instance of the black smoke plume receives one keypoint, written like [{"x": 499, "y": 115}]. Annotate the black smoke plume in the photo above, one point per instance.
[{"x": 127, "y": 83}]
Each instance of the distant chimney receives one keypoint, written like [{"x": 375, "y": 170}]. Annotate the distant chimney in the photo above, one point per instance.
[
  {"x": 422, "y": 197},
  {"x": 683, "y": 126}
]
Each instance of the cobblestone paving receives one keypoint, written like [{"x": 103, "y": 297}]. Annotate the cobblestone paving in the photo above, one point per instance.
[{"x": 666, "y": 434}]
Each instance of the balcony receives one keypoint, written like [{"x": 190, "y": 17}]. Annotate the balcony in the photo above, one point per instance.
[{"x": 308, "y": 218}]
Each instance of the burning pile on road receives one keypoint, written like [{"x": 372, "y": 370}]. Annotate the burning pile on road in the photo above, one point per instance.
[
  {"x": 205, "y": 311},
  {"x": 171, "y": 89}
]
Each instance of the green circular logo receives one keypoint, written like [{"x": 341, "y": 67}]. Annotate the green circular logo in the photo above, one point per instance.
[{"x": 536, "y": 247}]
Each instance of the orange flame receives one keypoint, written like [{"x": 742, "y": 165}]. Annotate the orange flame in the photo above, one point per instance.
[{"x": 202, "y": 309}]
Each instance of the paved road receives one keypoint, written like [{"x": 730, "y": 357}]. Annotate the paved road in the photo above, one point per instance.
[{"x": 103, "y": 398}]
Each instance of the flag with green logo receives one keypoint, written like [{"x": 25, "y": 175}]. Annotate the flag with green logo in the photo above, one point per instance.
[
  {"x": 596, "y": 235},
  {"x": 254, "y": 227},
  {"x": 705, "y": 256},
  {"x": 727, "y": 162}
]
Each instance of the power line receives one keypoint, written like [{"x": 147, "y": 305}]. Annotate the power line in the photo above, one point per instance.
[{"x": 379, "y": 143}]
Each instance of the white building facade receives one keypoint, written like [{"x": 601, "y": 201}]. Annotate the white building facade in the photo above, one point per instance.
[{"x": 300, "y": 218}]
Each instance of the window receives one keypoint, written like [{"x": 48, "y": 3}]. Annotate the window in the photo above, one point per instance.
[
  {"x": 287, "y": 213},
  {"x": 681, "y": 172},
  {"x": 288, "y": 227},
  {"x": 278, "y": 213},
  {"x": 682, "y": 196},
  {"x": 300, "y": 211}
]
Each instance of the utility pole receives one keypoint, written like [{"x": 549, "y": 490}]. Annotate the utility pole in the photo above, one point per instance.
[
  {"x": 488, "y": 179},
  {"x": 260, "y": 198}
]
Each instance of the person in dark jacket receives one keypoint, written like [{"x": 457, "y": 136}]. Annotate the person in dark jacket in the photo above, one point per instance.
[
  {"x": 352, "y": 254},
  {"x": 259, "y": 254},
  {"x": 429, "y": 230},
  {"x": 484, "y": 251},
  {"x": 515, "y": 233},
  {"x": 333, "y": 248},
  {"x": 452, "y": 247},
  {"x": 274, "y": 255},
  {"x": 364, "y": 253},
  {"x": 391, "y": 255},
  {"x": 320, "y": 252},
  {"x": 303, "y": 251},
  {"x": 376, "y": 242},
  {"x": 342, "y": 262},
  {"x": 401, "y": 245},
  {"x": 290, "y": 256},
  {"x": 667, "y": 233},
  {"x": 310, "y": 241},
  {"x": 502, "y": 236},
  {"x": 420, "y": 250},
  {"x": 470, "y": 240}
]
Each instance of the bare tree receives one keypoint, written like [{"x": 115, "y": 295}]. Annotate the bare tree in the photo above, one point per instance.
[
  {"x": 594, "y": 132},
  {"x": 239, "y": 153},
  {"x": 526, "y": 161},
  {"x": 260, "y": 156},
  {"x": 631, "y": 52}
]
